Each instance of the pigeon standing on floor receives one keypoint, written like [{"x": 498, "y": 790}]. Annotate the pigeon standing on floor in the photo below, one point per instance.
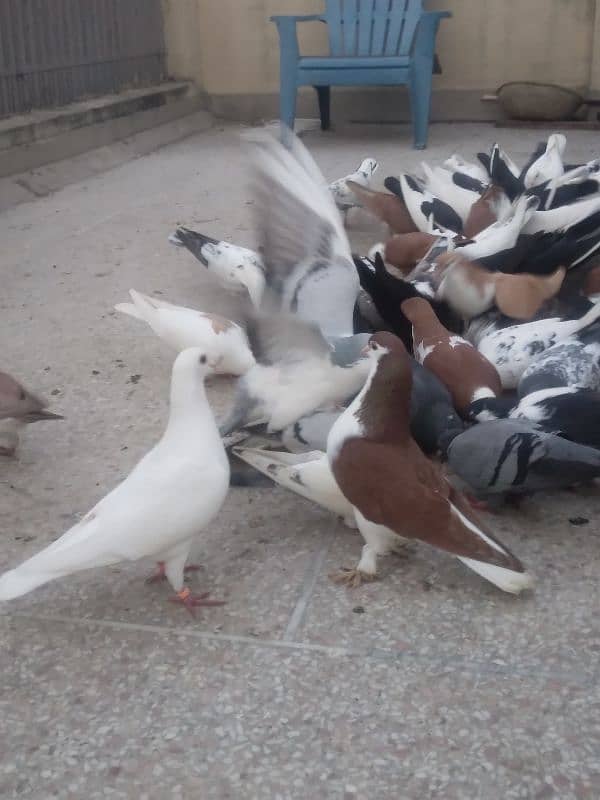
[
  {"x": 513, "y": 348},
  {"x": 344, "y": 197},
  {"x": 224, "y": 342},
  {"x": 307, "y": 354},
  {"x": 395, "y": 490},
  {"x": 236, "y": 268},
  {"x": 460, "y": 367},
  {"x": 470, "y": 289},
  {"x": 513, "y": 456},
  {"x": 161, "y": 506},
  {"x": 18, "y": 407},
  {"x": 572, "y": 362},
  {"x": 297, "y": 371},
  {"x": 567, "y": 411},
  {"x": 307, "y": 474},
  {"x": 385, "y": 206}
]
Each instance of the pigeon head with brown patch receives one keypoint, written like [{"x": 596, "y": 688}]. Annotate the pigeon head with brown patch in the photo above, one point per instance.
[{"x": 385, "y": 408}]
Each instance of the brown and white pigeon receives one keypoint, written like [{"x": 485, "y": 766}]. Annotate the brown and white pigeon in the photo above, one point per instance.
[
  {"x": 467, "y": 374},
  {"x": 395, "y": 490}
]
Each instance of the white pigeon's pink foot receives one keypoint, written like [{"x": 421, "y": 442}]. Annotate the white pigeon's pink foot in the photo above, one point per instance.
[
  {"x": 193, "y": 601},
  {"x": 161, "y": 575}
]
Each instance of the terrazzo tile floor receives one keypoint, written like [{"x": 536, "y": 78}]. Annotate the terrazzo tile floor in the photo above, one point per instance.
[{"x": 426, "y": 684}]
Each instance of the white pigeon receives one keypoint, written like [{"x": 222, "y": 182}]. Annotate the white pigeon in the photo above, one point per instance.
[
  {"x": 549, "y": 165},
  {"x": 224, "y": 342},
  {"x": 343, "y": 195},
  {"x": 236, "y": 268},
  {"x": 512, "y": 349},
  {"x": 159, "y": 509},
  {"x": 297, "y": 372},
  {"x": 306, "y": 474}
]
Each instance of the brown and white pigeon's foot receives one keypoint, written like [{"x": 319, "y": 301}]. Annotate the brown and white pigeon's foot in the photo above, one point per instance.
[
  {"x": 161, "y": 574},
  {"x": 351, "y": 577},
  {"x": 193, "y": 601},
  {"x": 364, "y": 572}
]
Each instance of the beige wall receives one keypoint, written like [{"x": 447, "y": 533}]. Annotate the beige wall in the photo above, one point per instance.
[{"x": 231, "y": 50}]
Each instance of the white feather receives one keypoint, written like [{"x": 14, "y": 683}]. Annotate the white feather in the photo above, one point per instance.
[
  {"x": 306, "y": 474},
  {"x": 223, "y": 341}
]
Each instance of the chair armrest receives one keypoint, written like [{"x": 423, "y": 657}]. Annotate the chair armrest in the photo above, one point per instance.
[
  {"x": 424, "y": 42},
  {"x": 304, "y": 17},
  {"x": 289, "y": 49}
]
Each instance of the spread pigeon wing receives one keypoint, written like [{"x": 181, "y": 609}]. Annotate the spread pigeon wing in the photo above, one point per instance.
[
  {"x": 306, "y": 251},
  {"x": 284, "y": 339}
]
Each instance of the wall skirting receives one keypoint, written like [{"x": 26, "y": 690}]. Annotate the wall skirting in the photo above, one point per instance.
[{"x": 386, "y": 104}]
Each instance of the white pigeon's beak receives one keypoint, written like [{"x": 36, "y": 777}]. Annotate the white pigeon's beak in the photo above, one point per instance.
[{"x": 365, "y": 350}]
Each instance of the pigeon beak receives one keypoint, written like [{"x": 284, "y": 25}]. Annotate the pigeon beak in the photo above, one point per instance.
[
  {"x": 365, "y": 350},
  {"x": 37, "y": 416}
]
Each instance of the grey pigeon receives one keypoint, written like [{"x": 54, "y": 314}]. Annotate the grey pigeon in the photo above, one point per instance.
[{"x": 514, "y": 456}]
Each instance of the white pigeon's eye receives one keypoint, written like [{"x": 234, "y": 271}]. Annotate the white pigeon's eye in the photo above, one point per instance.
[
  {"x": 373, "y": 345},
  {"x": 202, "y": 359},
  {"x": 240, "y": 266}
]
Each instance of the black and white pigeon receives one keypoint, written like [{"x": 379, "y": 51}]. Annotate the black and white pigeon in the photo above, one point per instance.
[
  {"x": 389, "y": 292},
  {"x": 512, "y": 456},
  {"x": 423, "y": 206},
  {"x": 567, "y": 411},
  {"x": 236, "y": 268}
]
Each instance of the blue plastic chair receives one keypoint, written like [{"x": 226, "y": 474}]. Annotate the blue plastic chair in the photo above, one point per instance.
[{"x": 371, "y": 42}]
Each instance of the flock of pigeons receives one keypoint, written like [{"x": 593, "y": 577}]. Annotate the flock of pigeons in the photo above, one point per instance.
[{"x": 458, "y": 362}]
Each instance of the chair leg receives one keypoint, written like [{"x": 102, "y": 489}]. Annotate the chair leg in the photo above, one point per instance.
[
  {"x": 287, "y": 100},
  {"x": 420, "y": 100},
  {"x": 324, "y": 97}
]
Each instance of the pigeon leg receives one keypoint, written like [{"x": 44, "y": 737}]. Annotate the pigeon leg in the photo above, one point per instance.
[
  {"x": 193, "y": 601},
  {"x": 161, "y": 575},
  {"x": 364, "y": 572}
]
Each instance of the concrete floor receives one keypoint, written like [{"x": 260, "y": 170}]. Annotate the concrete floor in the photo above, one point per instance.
[{"x": 427, "y": 684}]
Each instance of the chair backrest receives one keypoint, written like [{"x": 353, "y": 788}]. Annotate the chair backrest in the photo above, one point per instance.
[{"x": 372, "y": 27}]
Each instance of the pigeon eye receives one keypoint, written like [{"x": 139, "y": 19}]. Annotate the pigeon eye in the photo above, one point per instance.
[
  {"x": 22, "y": 395},
  {"x": 202, "y": 359},
  {"x": 373, "y": 345}
]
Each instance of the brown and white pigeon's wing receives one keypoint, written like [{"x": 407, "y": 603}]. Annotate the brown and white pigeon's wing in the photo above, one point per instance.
[{"x": 399, "y": 488}]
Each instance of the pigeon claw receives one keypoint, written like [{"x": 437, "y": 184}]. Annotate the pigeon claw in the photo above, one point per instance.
[
  {"x": 193, "y": 601},
  {"x": 352, "y": 578}
]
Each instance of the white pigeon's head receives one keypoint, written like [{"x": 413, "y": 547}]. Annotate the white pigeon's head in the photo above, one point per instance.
[{"x": 194, "y": 364}]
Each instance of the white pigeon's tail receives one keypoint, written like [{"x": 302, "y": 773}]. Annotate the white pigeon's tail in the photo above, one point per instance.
[
  {"x": 18, "y": 582},
  {"x": 512, "y": 577},
  {"x": 143, "y": 307},
  {"x": 130, "y": 310},
  {"x": 506, "y": 579}
]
